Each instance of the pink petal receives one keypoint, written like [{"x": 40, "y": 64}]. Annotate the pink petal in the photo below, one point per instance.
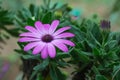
[
  {"x": 61, "y": 30},
  {"x": 38, "y": 48},
  {"x": 46, "y": 27},
  {"x": 40, "y": 27},
  {"x": 51, "y": 50},
  {"x": 68, "y": 42},
  {"x": 29, "y": 34},
  {"x": 44, "y": 53},
  {"x": 31, "y": 29},
  {"x": 53, "y": 26},
  {"x": 26, "y": 39},
  {"x": 30, "y": 46},
  {"x": 65, "y": 35},
  {"x": 60, "y": 45}
]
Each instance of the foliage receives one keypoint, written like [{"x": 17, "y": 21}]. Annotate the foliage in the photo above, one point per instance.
[
  {"x": 5, "y": 19},
  {"x": 97, "y": 52}
]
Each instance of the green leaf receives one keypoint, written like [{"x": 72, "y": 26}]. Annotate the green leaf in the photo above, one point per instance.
[
  {"x": 30, "y": 22},
  {"x": 116, "y": 73},
  {"x": 34, "y": 73},
  {"x": 39, "y": 77},
  {"x": 96, "y": 52},
  {"x": 111, "y": 43},
  {"x": 31, "y": 56},
  {"x": 94, "y": 39},
  {"x": 62, "y": 63},
  {"x": 34, "y": 10},
  {"x": 89, "y": 44},
  {"x": 14, "y": 32},
  {"x": 63, "y": 55},
  {"x": 83, "y": 29},
  {"x": 19, "y": 22},
  {"x": 79, "y": 35},
  {"x": 100, "y": 77},
  {"x": 19, "y": 51},
  {"x": 42, "y": 65},
  {"x": 20, "y": 45},
  {"x": 79, "y": 56},
  {"x": 86, "y": 53},
  {"x": 54, "y": 6},
  {"x": 47, "y": 18},
  {"x": 56, "y": 74},
  {"x": 64, "y": 23},
  {"x": 95, "y": 70},
  {"x": 31, "y": 8}
]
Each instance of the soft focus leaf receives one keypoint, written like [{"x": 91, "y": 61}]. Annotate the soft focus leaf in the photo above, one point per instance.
[
  {"x": 56, "y": 74},
  {"x": 116, "y": 72},
  {"x": 47, "y": 18},
  {"x": 42, "y": 65},
  {"x": 100, "y": 77},
  {"x": 30, "y": 22}
]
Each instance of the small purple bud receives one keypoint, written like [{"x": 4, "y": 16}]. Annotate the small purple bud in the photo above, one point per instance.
[{"x": 105, "y": 24}]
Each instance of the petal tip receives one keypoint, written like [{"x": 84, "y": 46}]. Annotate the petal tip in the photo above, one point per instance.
[
  {"x": 26, "y": 27},
  {"x": 73, "y": 45},
  {"x": 34, "y": 53},
  {"x": 66, "y": 50},
  {"x": 21, "y": 34},
  {"x": 73, "y": 35},
  {"x": 57, "y": 21},
  {"x": 38, "y": 22},
  {"x": 43, "y": 57},
  {"x": 20, "y": 40},
  {"x": 25, "y": 49},
  {"x": 52, "y": 56}
]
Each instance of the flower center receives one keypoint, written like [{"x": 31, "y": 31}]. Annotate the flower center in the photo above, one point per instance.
[{"x": 47, "y": 38}]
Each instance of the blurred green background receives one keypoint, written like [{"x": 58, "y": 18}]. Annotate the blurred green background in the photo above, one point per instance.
[{"x": 106, "y": 9}]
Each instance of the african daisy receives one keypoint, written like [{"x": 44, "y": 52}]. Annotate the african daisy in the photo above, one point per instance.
[{"x": 44, "y": 37}]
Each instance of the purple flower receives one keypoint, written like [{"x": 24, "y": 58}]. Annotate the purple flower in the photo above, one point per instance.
[
  {"x": 44, "y": 37},
  {"x": 105, "y": 24},
  {"x": 4, "y": 69}
]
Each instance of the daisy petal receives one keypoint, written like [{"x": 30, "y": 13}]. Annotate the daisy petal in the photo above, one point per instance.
[
  {"x": 29, "y": 34},
  {"x": 53, "y": 26},
  {"x": 44, "y": 53},
  {"x": 40, "y": 27},
  {"x": 65, "y": 35},
  {"x": 61, "y": 30},
  {"x": 51, "y": 50},
  {"x": 38, "y": 48},
  {"x": 47, "y": 26},
  {"x": 68, "y": 42},
  {"x": 60, "y": 45},
  {"x": 30, "y": 46},
  {"x": 25, "y": 39},
  {"x": 31, "y": 29}
]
